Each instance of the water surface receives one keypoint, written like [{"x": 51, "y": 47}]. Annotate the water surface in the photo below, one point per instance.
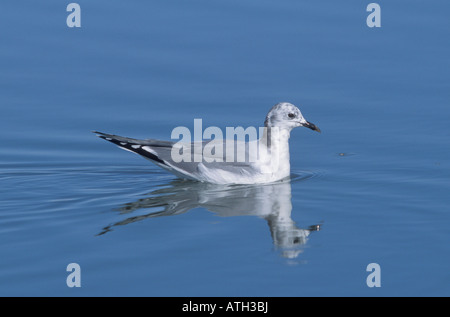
[{"x": 371, "y": 188}]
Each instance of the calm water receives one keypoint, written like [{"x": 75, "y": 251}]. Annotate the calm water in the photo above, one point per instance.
[{"x": 372, "y": 188}]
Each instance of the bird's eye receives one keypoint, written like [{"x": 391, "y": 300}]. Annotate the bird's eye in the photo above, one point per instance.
[{"x": 291, "y": 115}]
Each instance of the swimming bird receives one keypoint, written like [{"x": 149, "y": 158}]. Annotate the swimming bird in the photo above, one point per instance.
[{"x": 265, "y": 160}]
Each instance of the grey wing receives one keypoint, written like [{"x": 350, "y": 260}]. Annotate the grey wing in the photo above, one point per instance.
[
  {"x": 160, "y": 153},
  {"x": 206, "y": 160},
  {"x": 157, "y": 151}
]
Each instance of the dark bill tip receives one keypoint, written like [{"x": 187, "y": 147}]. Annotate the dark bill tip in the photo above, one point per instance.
[{"x": 312, "y": 126}]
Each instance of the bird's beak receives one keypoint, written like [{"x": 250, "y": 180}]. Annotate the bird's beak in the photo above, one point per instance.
[{"x": 312, "y": 126}]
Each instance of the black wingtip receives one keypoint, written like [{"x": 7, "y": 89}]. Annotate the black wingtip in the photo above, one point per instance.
[
  {"x": 99, "y": 134},
  {"x": 102, "y": 135},
  {"x": 126, "y": 144}
]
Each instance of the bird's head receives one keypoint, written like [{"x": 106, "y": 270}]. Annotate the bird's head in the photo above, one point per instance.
[{"x": 285, "y": 115}]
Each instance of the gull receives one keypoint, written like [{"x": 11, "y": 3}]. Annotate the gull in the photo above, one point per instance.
[{"x": 270, "y": 164}]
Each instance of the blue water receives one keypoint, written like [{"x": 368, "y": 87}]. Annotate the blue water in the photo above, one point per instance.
[{"x": 373, "y": 187}]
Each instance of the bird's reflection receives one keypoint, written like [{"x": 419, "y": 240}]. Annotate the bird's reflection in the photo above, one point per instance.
[{"x": 271, "y": 202}]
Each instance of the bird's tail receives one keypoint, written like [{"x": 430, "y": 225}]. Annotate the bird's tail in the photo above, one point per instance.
[{"x": 137, "y": 146}]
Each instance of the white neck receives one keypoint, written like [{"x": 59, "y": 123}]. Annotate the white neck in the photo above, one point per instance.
[{"x": 276, "y": 141}]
